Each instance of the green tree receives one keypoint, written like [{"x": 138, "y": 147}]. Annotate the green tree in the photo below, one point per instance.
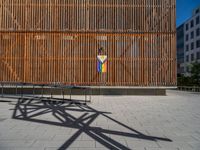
[
  {"x": 184, "y": 81},
  {"x": 195, "y": 73}
]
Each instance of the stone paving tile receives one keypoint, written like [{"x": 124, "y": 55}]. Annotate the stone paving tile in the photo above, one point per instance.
[
  {"x": 119, "y": 141},
  {"x": 15, "y": 143},
  {"x": 61, "y": 137},
  {"x": 141, "y": 144},
  {"x": 162, "y": 149},
  {"x": 169, "y": 122},
  {"x": 55, "y": 148},
  {"x": 47, "y": 143},
  {"x": 195, "y": 145},
  {"x": 92, "y": 148},
  {"x": 83, "y": 144},
  {"x": 22, "y": 148},
  {"x": 13, "y": 136}
]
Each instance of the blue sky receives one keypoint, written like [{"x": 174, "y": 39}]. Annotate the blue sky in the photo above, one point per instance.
[{"x": 184, "y": 9}]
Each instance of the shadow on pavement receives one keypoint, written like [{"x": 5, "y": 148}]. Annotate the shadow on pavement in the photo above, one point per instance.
[{"x": 30, "y": 109}]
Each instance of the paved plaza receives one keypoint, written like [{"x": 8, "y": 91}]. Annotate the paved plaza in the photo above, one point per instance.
[{"x": 169, "y": 122}]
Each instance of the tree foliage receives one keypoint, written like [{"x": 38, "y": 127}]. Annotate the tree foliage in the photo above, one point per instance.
[
  {"x": 193, "y": 79},
  {"x": 195, "y": 73}
]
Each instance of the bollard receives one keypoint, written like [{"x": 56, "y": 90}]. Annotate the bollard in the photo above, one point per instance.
[
  {"x": 1, "y": 89},
  {"x": 33, "y": 90},
  {"x": 70, "y": 96},
  {"x": 22, "y": 91},
  {"x": 42, "y": 91},
  {"x": 85, "y": 95},
  {"x": 51, "y": 92},
  {"x": 63, "y": 94},
  {"x": 90, "y": 95},
  {"x": 16, "y": 90}
]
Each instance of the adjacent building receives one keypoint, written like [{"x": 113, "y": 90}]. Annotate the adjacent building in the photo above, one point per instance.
[
  {"x": 188, "y": 43},
  {"x": 180, "y": 49}
]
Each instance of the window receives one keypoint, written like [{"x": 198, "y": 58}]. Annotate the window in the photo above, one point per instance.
[
  {"x": 192, "y": 57},
  {"x": 187, "y": 37},
  {"x": 192, "y": 35},
  {"x": 192, "y": 24},
  {"x": 192, "y": 46},
  {"x": 197, "y": 11},
  {"x": 198, "y": 55},
  {"x": 187, "y": 58},
  {"x": 187, "y": 48},
  {"x": 198, "y": 32},
  {"x": 197, "y": 43},
  {"x": 186, "y": 27},
  {"x": 197, "y": 20}
]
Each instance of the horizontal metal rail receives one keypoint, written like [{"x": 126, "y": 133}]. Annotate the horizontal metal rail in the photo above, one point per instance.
[
  {"x": 189, "y": 88},
  {"x": 20, "y": 88}
]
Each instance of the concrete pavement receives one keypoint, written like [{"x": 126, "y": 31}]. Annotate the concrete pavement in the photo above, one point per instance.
[{"x": 169, "y": 122}]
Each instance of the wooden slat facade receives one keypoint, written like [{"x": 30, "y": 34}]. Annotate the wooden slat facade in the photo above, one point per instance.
[{"x": 57, "y": 41}]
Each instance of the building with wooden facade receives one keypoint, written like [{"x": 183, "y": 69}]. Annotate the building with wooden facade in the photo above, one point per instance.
[{"x": 60, "y": 41}]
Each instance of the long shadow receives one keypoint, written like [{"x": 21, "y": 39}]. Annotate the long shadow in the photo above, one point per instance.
[{"x": 30, "y": 109}]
